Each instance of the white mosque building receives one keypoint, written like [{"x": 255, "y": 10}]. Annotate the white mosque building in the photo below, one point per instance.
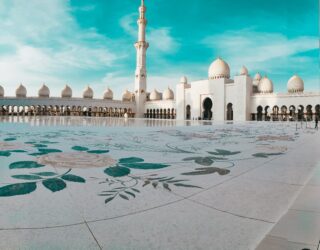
[{"x": 218, "y": 97}]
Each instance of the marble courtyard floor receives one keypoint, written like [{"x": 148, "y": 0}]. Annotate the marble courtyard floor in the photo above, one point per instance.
[{"x": 102, "y": 183}]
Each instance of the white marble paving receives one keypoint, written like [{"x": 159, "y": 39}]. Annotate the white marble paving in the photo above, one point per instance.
[
  {"x": 70, "y": 238},
  {"x": 179, "y": 187},
  {"x": 183, "y": 225}
]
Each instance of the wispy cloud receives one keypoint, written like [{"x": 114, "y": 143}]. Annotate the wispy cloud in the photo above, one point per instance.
[
  {"x": 160, "y": 39},
  {"x": 258, "y": 49}
]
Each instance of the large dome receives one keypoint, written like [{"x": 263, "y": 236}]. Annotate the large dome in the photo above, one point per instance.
[
  {"x": 184, "y": 80},
  {"x": 168, "y": 94},
  {"x": 295, "y": 84},
  {"x": 265, "y": 85},
  {"x": 219, "y": 69},
  {"x": 44, "y": 91},
  {"x": 108, "y": 94},
  {"x": 244, "y": 71},
  {"x": 126, "y": 96},
  {"x": 155, "y": 95},
  {"x": 1, "y": 91},
  {"x": 21, "y": 91},
  {"x": 66, "y": 92},
  {"x": 87, "y": 93}
]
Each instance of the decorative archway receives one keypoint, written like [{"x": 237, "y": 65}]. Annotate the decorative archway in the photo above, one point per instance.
[
  {"x": 309, "y": 113},
  {"x": 259, "y": 113},
  {"x": 229, "y": 112},
  {"x": 300, "y": 113},
  {"x": 188, "y": 112},
  {"x": 275, "y": 113},
  {"x": 207, "y": 106}
]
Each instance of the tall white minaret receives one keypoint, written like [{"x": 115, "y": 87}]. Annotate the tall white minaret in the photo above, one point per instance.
[{"x": 141, "y": 69}]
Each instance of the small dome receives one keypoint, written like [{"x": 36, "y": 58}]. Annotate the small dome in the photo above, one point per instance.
[
  {"x": 155, "y": 95},
  {"x": 1, "y": 91},
  {"x": 126, "y": 96},
  {"x": 21, "y": 91},
  {"x": 244, "y": 71},
  {"x": 168, "y": 94},
  {"x": 295, "y": 84},
  {"x": 44, "y": 91},
  {"x": 219, "y": 69},
  {"x": 87, "y": 93},
  {"x": 108, "y": 94},
  {"x": 257, "y": 76},
  {"x": 265, "y": 85},
  {"x": 256, "y": 80},
  {"x": 66, "y": 92},
  {"x": 184, "y": 80}
]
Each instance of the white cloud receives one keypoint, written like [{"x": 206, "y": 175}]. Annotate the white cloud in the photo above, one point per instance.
[{"x": 46, "y": 43}]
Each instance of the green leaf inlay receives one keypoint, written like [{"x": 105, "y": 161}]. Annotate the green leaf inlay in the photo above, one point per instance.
[
  {"x": 117, "y": 171},
  {"x": 73, "y": 178},
  {"x": 26, "y": 177},
  {"x": 25, "y": 164},
  {"x": 54, "y": 185},
  {"x": 17, "y": 189}
]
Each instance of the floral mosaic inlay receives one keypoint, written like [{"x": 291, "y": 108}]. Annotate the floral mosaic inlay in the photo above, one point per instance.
[{"x": 125, "y": 162}]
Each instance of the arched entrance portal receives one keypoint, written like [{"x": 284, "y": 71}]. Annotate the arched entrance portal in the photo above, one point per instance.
[
  {"x": 229, "y": 112},
  {"x": 188, "y": 112},
  {"x": 207, "y": 106}
]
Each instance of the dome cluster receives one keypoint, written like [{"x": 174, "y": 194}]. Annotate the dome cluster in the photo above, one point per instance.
[
  {"x": 166, "y": 95},
  {"x": 220, "y": 69}
]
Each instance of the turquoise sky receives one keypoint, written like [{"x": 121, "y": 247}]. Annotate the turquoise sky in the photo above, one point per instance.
[{"x": 83, "y": 42}]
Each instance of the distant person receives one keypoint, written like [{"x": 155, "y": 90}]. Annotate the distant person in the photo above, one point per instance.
[{"x": 316, "y": 121}]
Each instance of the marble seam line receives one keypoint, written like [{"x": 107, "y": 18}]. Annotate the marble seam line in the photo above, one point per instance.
[
  {"x": 141, "y": 211},
  {"x": 94, "y": 237}
]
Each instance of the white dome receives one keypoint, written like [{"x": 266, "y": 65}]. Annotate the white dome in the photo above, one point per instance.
[
  {"x": 108, "y": 94},
  {"x": 295, "y": 84},
  {"x": 219, "y": 69},
  {"x": 257, "y": 76},
  {"x": 184, "y": 80},
  {"x": 126, "y": 96},
  {"x": 155, "y": 95},
  {"x": 21, "y": 91},
  {"x": 256, "y": 79},
  {"x": 1, "y": 91},
  {"x": 66, "y": 92},
  {"x": 87, "y": 93},
  {"x": 265, "y": 85},
  {"x": 44, "y": 91},
  {"x": 244, "y": 71},
  {"x": 168, "y": 94}
]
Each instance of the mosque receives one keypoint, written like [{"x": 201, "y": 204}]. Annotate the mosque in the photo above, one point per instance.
[{"x": 218, "y": 97}]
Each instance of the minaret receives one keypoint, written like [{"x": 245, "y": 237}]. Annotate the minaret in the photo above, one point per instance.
[{"x": 141, "y": 70}]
